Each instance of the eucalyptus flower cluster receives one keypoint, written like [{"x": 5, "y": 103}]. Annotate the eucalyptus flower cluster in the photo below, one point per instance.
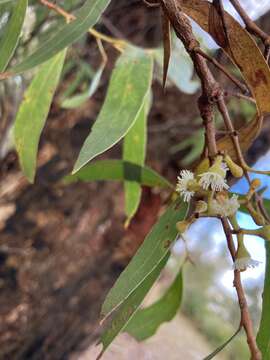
[{"x": 208, "y": 192}]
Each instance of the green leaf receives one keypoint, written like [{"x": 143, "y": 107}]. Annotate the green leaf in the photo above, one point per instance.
[
  {"x": 75, "y": 101},
  {"x": 96, "y": 80},
  {"x": 146, "y": 321},
  {"x": 11, "y": 35},
  {"x": 134, "y": 152},
  {"x": 118, "y": 170},
  {"x": 221, "y": 347},
  {"x": 128, "y": 308},
  {"x": 130, "y": 83},
  {"x": 151, "y": 252},
  {"x": 86, "y": 18},
  {"x": 33, "y": 112},
  {"x": 263, "y": 336}
]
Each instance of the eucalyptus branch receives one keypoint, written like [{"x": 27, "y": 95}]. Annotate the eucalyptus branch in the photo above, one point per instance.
[
  {"x": 213, "y": 93},
  {"x": 210, "y": 87}
]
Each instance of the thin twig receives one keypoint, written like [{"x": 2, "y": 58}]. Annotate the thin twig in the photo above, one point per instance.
[
  {"x": 59, "y": 10},
  {"x": 251, "y": 26},
  {"x": 228, "y": 123},
  {"x": 245, "y": 322},
  {"x": 222, "y": 68},
  {"x": 239, "y": 96}
]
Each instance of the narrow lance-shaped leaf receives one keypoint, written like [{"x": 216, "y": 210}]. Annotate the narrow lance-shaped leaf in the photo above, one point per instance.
[
  {"x": 118, "y": 170},
  {"x": 180, "y": 69},
  {"x": 146, "y": 321},
  {"x": 130, "y": 82},
  {"x": 33, "y": 112},
  {"x": 167, "y": 47},
  {"x": 128, "y": 308},
  {"x": 155, "y": 247},
  {"x": 263, "y": 336},
  {"x": 134, "y": 152},
  {"x": 86, "y": 18},
  {"x": 11, "y": 35}
]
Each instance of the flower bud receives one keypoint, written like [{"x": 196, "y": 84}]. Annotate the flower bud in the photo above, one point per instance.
[
  {"x": 255, "y": 183},
  {"x": 243, "y": 259},
  {"x": 203, "y": 166},
  {"x": 253, "y": 186},
  {"x": 182, "y": 226},
  {"x": 201, "y": 206},
  {"x": 215, "y": 177},
  {"x": 235, "y": 169}
]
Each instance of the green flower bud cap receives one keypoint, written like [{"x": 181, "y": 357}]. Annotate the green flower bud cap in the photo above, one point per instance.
[
  {"x": 243, "y": 259},
  {"x": 235, "y": 169}
]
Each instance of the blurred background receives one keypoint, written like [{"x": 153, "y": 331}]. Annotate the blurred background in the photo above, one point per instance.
[{"x": 63, "y": 246}]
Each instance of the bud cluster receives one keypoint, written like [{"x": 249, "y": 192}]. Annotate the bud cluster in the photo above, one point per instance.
[{"x": 208, "y": 191}]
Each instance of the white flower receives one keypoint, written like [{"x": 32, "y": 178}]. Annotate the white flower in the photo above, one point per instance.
[
  {"x": 183, "y": 182},
  {"x": 225, "y": 207},
  {"x": 214, "y": 178},
  {"x": 243, "y": 263}
]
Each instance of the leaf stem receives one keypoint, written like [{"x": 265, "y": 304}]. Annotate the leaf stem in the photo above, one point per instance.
[{"x": 117, "y": 43}]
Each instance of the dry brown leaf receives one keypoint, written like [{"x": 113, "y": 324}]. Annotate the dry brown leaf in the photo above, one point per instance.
[
  {"x": 242, "y": 50},
  {"x": 216, "y": 28},
  {"x": 166, "y": 46}
]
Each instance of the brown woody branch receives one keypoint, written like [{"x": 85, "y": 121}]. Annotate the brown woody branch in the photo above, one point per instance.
[
  {"x": 210, "y": 87},
  {"x": 211, "y": 93}
]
